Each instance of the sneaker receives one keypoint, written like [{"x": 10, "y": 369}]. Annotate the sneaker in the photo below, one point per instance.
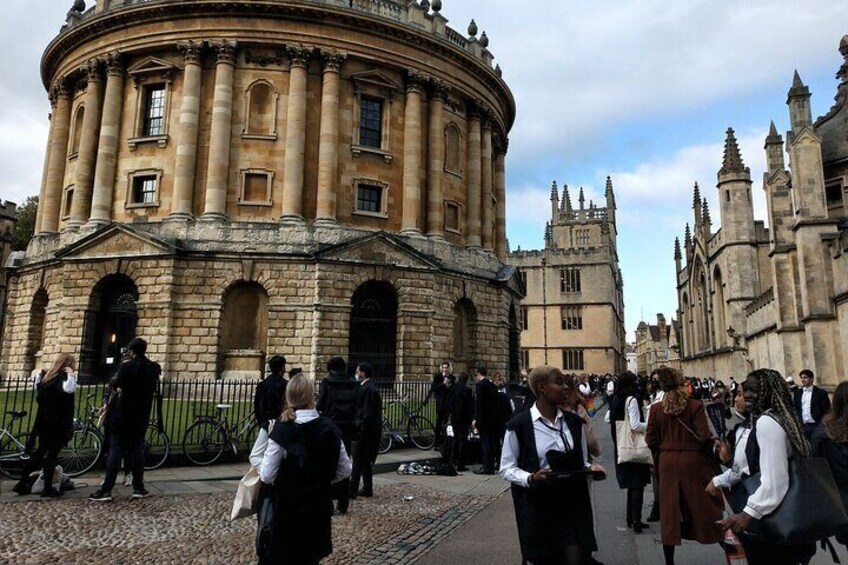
[
  {"x": 140, "y": 493},
  {"x": 366, "y": 493},
  {"x": 21, "y": 489},
  {"x": 100, "y": 496}
]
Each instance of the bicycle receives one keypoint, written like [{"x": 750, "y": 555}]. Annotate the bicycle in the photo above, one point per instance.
[
  {"x": 82, "y": 453},
  {"x": 420, "y": 431},
  {"x": 157, "y": 444},
  {"x": 205, "y": 440},
  {"x": 12, "y": 451}
]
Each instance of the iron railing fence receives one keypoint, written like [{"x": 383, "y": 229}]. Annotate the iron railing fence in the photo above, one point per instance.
[{"x": 181, "y": 402}]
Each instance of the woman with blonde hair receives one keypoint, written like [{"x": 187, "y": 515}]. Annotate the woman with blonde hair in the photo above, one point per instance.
[
  {"x": 304, "y": 458},
  {"x": 54, "y": 422},
  {"x": 679, "y": 436}
]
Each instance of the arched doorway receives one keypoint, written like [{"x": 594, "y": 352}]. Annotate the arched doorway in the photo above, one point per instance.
[
  {"x": 373, "y": 329},
  {"x": 243, "y": 331},
  {"x": 110, "y": 323},
  {"x": 35, "y": 334}
]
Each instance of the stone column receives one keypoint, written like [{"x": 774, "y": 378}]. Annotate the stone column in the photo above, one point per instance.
[
  {"x": 500, "y": 194},
  {"x": 486, "y": 178},
  {"x": 61, "y": 125},
  {"x": 436, "y": 160},
  {"x": 411, "y": 221},
  {"x": 295, "y": 136},
  {"x": 107, "y": 151},
  {"x": 42, "y": 195},
  {"x": 218, "y": 169},
  {"x": 328, "y": 148},
  {"x": 87, "y": 157},
  {"x": 185, "y": 164},
  {"x": 472, "y": 218}
]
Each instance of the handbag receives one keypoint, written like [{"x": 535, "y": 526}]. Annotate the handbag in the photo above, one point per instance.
[
  {"x": 631, "y": 446},
  {"x": 811, "y": 510},
  {"x": 247, "y": 494},
  {"x": 710, "y": 454},
  {"x": 265, "y": 526}
]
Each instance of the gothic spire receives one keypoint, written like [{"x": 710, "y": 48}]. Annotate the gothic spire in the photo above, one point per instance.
[
  {"x": 687, "y": 238},
  {"x": 610, "y": 194},
  {"x": 582, "y": 199},
  {"x": 554, "y": 202},
  {"x": 696, "y": 204},
  {"x": 677, "y": 254},
  {"x": 732, "y": 158},
  {"x": 565, "y": 204},
  {"x": 554, "y": 192},
  {"x": 707, "y": 221}
]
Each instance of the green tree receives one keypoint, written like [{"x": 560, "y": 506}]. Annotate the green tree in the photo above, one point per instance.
[{"x": 25, "y": 227}]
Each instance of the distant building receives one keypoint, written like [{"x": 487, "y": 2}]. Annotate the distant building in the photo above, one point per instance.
[
  {"x": 652, "y": 345},
  {"x": 573, "y": 312},
  {"x": 752, "y": 297},
  {"x": 631, "y": 357},
  {"x": 8, "y": 219}
]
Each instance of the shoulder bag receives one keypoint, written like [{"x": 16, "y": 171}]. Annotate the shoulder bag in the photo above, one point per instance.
[
  {"x": 631, "y": 446},
  {"x": 247, "y": 495},
  {"x": 708, "y": 451}
]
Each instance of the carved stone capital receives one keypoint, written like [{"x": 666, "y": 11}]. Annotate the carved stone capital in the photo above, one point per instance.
[
  {"x": 114, "y": 64},
  {"x": 191, "y": 51},
  {"x": 58, "y": 91},
  {"x": 474, "y": 109},
  {"x": 225, "y": 51},
  {"x": 299, "y": 55},
  {"x": 501, "y": 145},
  {"x": 332, "y": 61},
  {"x": 439, "y": 90},
  {"x": 92, "y": 70},
  {"x": 416, "y": 81}
]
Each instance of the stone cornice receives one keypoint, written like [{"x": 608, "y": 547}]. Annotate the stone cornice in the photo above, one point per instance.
[{"x": 125, "y": 17}]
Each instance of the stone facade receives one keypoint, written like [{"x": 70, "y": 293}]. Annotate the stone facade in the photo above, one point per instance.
[
  {"x": 652, "y": 345},
  {"x": 756, "y": 297},
  {"x": 235, "y": 180},
  {"x": 8, "y": 218},
  {"x": 573, "y": 313}
]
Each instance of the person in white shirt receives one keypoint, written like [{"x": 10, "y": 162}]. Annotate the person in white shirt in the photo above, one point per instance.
[
  {"x": 304, "y": 458},
  {"x": 543, "y": 459},
  {"x": 776, "y": 436}
]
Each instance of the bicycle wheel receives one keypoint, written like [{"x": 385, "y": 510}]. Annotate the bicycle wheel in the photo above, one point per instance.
[
  {"x": 204, "y": 442},
  {"x": 385, "y": 438},
  {"x": 82, "y": 453},
  {"x": 421, "y": 432},
  {"x": 157, "y": 447},
  {"x": 11, "y": 464}
]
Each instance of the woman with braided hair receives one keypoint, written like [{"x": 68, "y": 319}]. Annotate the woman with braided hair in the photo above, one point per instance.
[{"x": 775, "y": 437}]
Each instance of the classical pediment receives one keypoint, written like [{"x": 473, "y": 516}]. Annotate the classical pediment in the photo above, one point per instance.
[
  {"x": 380, "y": 248},
  {"x": 117, "y": 240},
  {"x": 509, "y": 276},
  {"x": 150, "y": 65},
  {"x": 375, "y": 78}
]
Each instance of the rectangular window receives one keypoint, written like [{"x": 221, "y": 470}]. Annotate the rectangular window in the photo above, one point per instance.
[
  {"x": 69, "y": 202},
  {"x": 525, "y": 358},
  {"x": 525, "y": 318},
  {"x": 369, "y": 198},
  {"x": 154, "y": 110},
  {"x": 569, "y": 280},
  {"x": 144, "y": 190},
  {"x": 452, "y": 217},
  {"x": 572, "y": 317},
  {"x": 583, "y": 237},
  {"x": 833, "y": 193},
  {"x": 371, "y": 122},
  {"x": 255, "y": 187},
  {"x": 523, "y": 276},
  {"x": 572, "y": 360}
]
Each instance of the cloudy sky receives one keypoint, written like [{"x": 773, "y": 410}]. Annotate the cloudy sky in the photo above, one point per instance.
[{"x": 641, "y": 90}]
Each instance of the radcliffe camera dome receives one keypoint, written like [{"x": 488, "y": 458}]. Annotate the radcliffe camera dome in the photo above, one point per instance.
[{"x": 289, "y": 171}]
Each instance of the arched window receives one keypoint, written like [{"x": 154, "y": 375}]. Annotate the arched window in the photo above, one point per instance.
[
  {"x": 373, "y": 329},
  {"x": 244, "y": 330},
  {"x": 35, "y": 334},
  {"x": 453, "y": 151},
  {"x": 261, "y": 109},
  {"x": 685, "y": 322},
  {"x": 75, "y": 142},
  {"x": 719, "y": 317}
]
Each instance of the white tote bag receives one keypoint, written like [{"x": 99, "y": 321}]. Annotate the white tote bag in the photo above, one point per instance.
[
  {"x": 631, "y": 445},
  {"x": 249, "y": 485}
]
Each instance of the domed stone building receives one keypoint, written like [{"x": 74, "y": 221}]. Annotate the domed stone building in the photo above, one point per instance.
[{"x": 233, "y": 179}]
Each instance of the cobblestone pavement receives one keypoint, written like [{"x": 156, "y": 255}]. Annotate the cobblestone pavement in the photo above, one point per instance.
[{"x": 396, "y": 526}]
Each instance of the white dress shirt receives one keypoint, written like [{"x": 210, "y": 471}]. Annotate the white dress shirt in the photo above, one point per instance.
[
  {"x": 69, "y": 385},
  {"x": 547, "y": 436},
  {"x": 733, "y": 476},
  {"x": 275, "y": 453},
  {"x": 775, "y": 450},
  {"x": 633, "y": 412},
  {"x": 806, "y": 402}
]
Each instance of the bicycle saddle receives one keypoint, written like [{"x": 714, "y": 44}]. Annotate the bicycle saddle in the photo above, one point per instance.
[
  {"x": 223, "y": 406},
  {"x": 14, "y": 414}
]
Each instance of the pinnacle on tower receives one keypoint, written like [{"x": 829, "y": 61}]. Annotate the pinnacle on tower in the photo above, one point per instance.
[
  {"x": 696, "y": 204},
  {"x": 799, "y": 89},
  {"x": 565, "y": 204},
  {"x": 772, "y": 131},
  {"x": 554, "y": 202},
  {"x": 732, "y": 158},
  {"x": 582, "y": 199},
  {"x": 677, "y": 254},
  {"x": 554, "y": 192},
  {"x": 706, "y": 213},
  {"x": 610, "y": 194},
  {"x": 687, "y": 238}
]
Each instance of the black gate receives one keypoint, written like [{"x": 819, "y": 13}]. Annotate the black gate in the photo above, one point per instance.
[{"x": 373, "y": 329}]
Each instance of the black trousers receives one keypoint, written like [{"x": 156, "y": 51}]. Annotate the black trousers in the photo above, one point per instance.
[
  {"x": 45, "y": 456},
  {"x": 441, "y": 423},
  {"x": 119, "y": 444},
  {"x": 460, "y": 442},
  {"x": 341, "y": 489},
  {"x": 364, "y": 457},
  {"x": 489, "y": 447}
]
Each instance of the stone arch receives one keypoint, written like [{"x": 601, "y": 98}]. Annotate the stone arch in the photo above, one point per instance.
[
  {"x": 79, "y": 117},
  {"x": 243, "y": 330},
  {"x": 464, "y": 335},
  {"x": 719, "y": 309},
  {"x": 110, "y": 323},
  {"x": 453, "y": 148},
  {"x": 35, "y": 331},
  {"x": 702, "y": 317},
  {"x": 373, "y": 328},
  {"x": 261, "y": 109}
]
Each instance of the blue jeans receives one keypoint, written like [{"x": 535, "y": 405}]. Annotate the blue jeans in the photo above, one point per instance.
[{"x": 118, "y": 445}]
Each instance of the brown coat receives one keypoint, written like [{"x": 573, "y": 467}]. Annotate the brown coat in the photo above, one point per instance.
[{"x": 686, "y": 510}]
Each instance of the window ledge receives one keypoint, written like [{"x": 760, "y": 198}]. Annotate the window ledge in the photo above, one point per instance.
[
  {"x": 160, "y": 140},
  {"x": 136, "y": 205},
  {"x": 260, "y": 136},
  {"x": 457, "y": 174},
  {"x": 72, "y": 156},
  {"x": 381, "y": 215},
  {"x": 358, "y": 150},
  {"x": 266, "y": 203},
  {"x": 453, "y": 231}
]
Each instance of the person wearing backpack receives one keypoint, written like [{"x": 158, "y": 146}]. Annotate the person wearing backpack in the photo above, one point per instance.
[{"x": 337, "y": 401}]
